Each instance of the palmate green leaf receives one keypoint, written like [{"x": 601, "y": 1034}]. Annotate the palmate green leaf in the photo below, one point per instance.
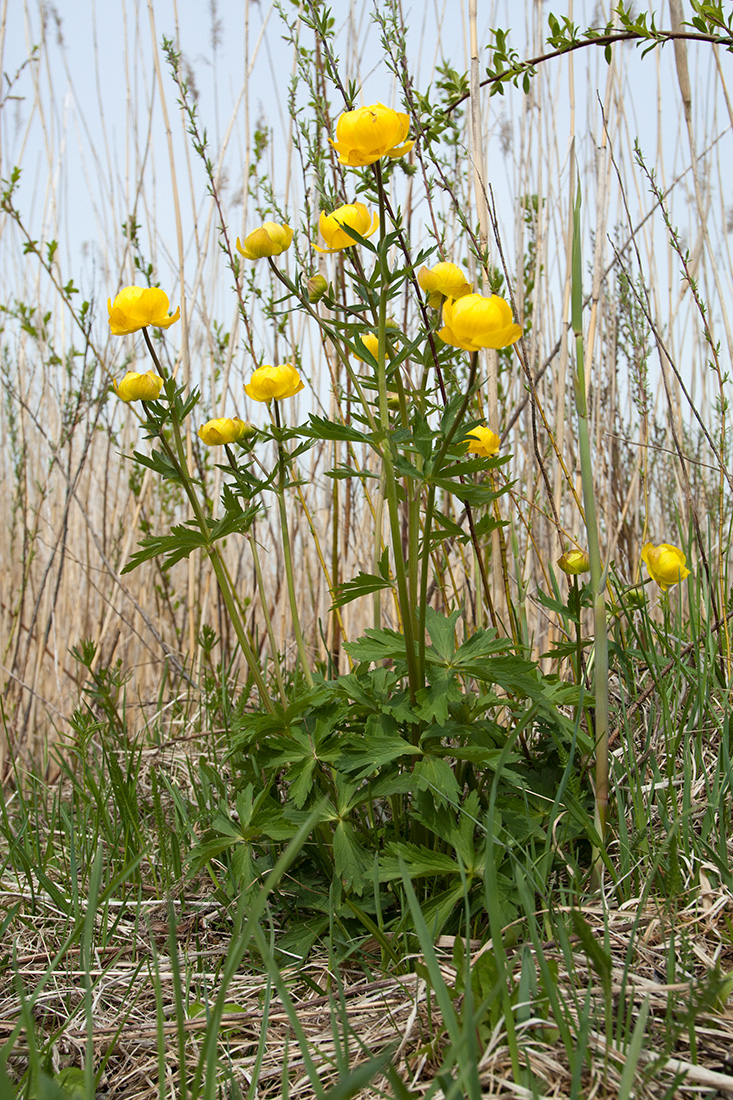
[
  {"x": 361, "y": 585},
  {"x": 378, "y": 645},
  {"x": 187, "y": 537},
  {"x": 467, "y": 492},
  {"x": 432, "y": 702},
  {"x": 442, "y": 631},
  {"x": 319, "y": 427},
  {"x": 421, "y": 862},
  {"x": 446, "y": 528},
  {"x": 361, "y": 759},
  {"x": 352, "y": 862},
  {"x": 434, "y": 774},
  {"x": 160, "y": 464}
]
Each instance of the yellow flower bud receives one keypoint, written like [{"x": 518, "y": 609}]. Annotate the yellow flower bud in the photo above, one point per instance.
[
  {"x": 483, "y": 441},
  {"x": 137, "y": 307},
  {"x": 274, "y": 383},
  {"x": 269, "y": 240},
  {"x": 370, "y": 340},
  {"x": 368, "y": 133},
  {"x": 443, "y": 281},
  {"x": 573, "y": 562},
  {"x": 474, "y": 322},
  {"x": 139, "y": 387},
  {"x": 224, "y": 429},
  {"x": 317, "y": 288},
  {"x": 666, "y": 564},
  {"x": 393, "y": 400},
  {"x": 356, "y": 216}
]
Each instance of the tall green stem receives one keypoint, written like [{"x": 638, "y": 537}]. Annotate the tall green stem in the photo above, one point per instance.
[
  {"x": 406, "y": 607},
  {"x": 430, "y": 508},
  {"x": 600, "y": 665},
  {"x": 178, "y": 458},
  {"x": 282, "y": 460}
]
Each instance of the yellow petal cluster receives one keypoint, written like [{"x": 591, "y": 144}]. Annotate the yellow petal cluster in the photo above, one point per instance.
[
  {"x": 444, "y": 280},
  {"x": 666, "y": 564},
  {"x": 224, "y": 429},
  {"x": 274, "y": 383},
  {"x": 356, "y": 216},
  {"x": 139, "y": 387},
  {"x": 137, "y": 307},
  {"x": 474, "y": 322},
  {"x": 368, "y": 133},
  {"x": 573, "y": 562},
  {"x": 483, "y": 441},
  {"x": 269, "y": 240}
]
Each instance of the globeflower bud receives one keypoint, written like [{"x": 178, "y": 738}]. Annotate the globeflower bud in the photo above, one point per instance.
[
  {"x": 356, "y": 216},
  {"x": 573, "y": 562},
  {"x": 274, "y": 383},
  {"x": 139, "y": 387},
  {"x": 483, "y": 441},
  {"x": 443, "y": 281},
  {"x": 223, "y": 429},
  {"x": 666, "y": 564},
  {"x": 317, "y": 288},
  {"x": 269, "y": 240}
]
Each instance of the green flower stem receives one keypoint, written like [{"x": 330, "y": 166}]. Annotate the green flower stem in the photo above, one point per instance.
[
  {"x": 251, "y": 539},
  {"x": 578, "y": 632},
  {"x": 393, "y": 504},
  {"x": 598, "y": 586},
  {"x": 283, "y": 459},
  {"x": 178, "y": 458},
  {"x": 429, "y": 510},
  {"x": 378, "y": 546},
  {"x": 343, "y": 358}
]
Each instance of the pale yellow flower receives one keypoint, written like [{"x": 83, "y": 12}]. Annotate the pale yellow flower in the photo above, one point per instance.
[
  {"x": 356, "y": 216},
  {"x": 573, "y": 562},
  {"x": 139, "y": 387},
  {"x": 444, "y": 280},
  {"x": 223, "y": 429},
  {"x": 474, "y": 322},
  {"x": 269, "y": 240},
  {"x": 274, "y": 383},
  {"x": 137, "y": 307},
  {"x": 368, "y": 133},
  {"x": 666, "y": 564},
  {"x": 483, "y": 441}
]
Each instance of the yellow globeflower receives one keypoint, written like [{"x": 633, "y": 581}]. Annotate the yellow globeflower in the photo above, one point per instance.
[
  {"x": 666, "y": 564},
  {"x": 274, "y": 383},
  {"x": 356, "y": 216},
  {"x": 139, "y": 387},
  {"x": 573, "y": 562},
  {"x": 137, "y": 307},
  {"x": 483, "y": 441},
  {"x": 269, "y": 240},
  {"x": 368, "y": 133},
  {"x": 474, "y": 322},
  {"x": 225, "y": 429},
  {"x": 443, "y": 281}
]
